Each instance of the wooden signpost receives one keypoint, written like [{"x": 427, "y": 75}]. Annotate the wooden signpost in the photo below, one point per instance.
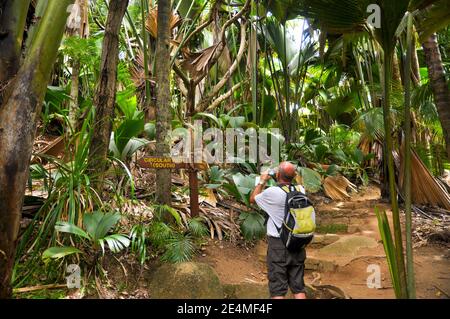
[
  {"x": 154, "y": 162},
  {"x": 192, "y": 168}
]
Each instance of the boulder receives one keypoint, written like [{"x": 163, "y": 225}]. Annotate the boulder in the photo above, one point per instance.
[
  {"x": 330, "y": 238},
  {"x": 189, "y": 280},
  {"x": 320, "y": 265},
  {"x": 349, "y": 246},
  {"x": 353, "y": 229},
  {"x": 321, "y": 240}
]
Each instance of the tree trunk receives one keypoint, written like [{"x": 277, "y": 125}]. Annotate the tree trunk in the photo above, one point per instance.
[
  {"x": 105, "y": 95},
  {"x": 18, "y": 115},
  {"x": 396, "y": 73},
  {"x": 78, "y": 24},
  {"x": 163, "y": 108},
  {"x": 13, "y": 16},
  {"x": 74, "y": 92},
  {"x": 438, "y": 85},
  {"x": 415, "y": 66},
  {"x": 387, "y": 82}
]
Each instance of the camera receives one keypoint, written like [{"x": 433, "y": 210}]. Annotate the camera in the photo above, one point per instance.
[{"x": 272, "y": 173}]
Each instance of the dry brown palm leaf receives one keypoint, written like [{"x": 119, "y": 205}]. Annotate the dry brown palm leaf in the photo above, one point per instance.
[
  {"x": 364, "y": 145},
  {"x": 198, "y": 63},
  {"x": 203, "y": 214},
  {"x": 218, "y": 229},
  {"x": 137, "y": 72},
  {"x": 152, "y": 22},
  {"x": 425, "y": 188},
  {"x": 336, "y": 187},
  {"x": 209, "y": 197},
  {"x": 220, "y": 222},
  {"x": 367, "y": 146}
]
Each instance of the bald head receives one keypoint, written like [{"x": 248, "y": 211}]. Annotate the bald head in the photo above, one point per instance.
[{"x": 286, "y": 172}]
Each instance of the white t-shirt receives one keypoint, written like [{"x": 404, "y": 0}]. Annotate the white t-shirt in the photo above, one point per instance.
[{"x": 272, "y": 201}]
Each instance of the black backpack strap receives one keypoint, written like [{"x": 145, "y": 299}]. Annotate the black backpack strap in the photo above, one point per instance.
[
  {"x": 266, "y": 218},
  {"x": 287, "y": 189}
]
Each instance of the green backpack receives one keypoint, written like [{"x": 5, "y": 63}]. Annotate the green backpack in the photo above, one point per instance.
[{"x": 298, "y": 226}]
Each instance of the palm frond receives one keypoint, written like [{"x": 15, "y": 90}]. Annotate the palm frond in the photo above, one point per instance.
[{"x": 180, "y": 248}]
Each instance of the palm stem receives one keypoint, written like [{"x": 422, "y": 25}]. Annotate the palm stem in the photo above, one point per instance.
[
  {"x": 145, "y": 52},
  {"x": 407, "y": 181},
  {"x": 388, "y": 60}
]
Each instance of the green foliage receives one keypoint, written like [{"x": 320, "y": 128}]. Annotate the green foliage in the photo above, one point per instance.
[
  {"x": 70, "y": 193},
  {"x": 331, "y": 229},
  {"x": 150, "y": 131},
  {"x": 53, "y": 106},
  {"x": 59, "y": 252},
  {"x": 241, "y": 187},
  {"x": 175, "y": 243},
  {"x": 215, "y": 177},
  {"x": 124, "y": 142},
  {"x": 283, "y": 10},
  {"x": 197, "y": 227},
  {"x": 370, "y": 123},
  {"x": 312, "y": 180},
  {"x": 252, "y": 226},
  {"x": 92, "y": 236},
  {"x": 162, "y": 211},
  {"x": 268, "y": 110},
  {"x": 159, "y": 233},
  {"x": 389, "y": 248},
  {"x": 179, "y": 248},
  {"x": 85, "y": 50},
  {"x": 126, "y": 131},
  {"x": 138, "y": 237},
  {"x": 339, "y": 105}
]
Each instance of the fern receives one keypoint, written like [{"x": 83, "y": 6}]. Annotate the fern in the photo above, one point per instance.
[
  {"x": 160, "y": 233},
  {"x": 180, "y": 248},
  {"x": 197, "y": 228}
]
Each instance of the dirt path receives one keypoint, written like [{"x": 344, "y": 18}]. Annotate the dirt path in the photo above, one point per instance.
[{"x": 340, "y": 259}]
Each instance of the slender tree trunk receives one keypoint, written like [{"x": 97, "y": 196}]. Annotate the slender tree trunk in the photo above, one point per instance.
[
  {"x": 18, "y": 115},
  {"x": 105, "y": 95},
  {"x": 439, "y": 85},
  {"x": 13, "y": 16},
  {"x": 388, "y": 68},
  {"x": 81, "y": 28},
  {"x": 396, "y": 74},
  {"x": 74, "y": 90},
  {"x": 410, "y": 276},
  {"x": 415, "y": 66},
  {"x": 163, "y": 108}
]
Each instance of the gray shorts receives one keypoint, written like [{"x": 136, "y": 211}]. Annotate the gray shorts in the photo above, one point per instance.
[{"x": 285, "y": 269}]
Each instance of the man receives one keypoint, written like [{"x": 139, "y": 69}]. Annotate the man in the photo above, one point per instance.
[{"x": 285, "y": 268}]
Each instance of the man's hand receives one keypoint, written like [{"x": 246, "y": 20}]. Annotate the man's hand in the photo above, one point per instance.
[
  {"x": 264, "y": 176},
  {"x": 260, "y": 187}
]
